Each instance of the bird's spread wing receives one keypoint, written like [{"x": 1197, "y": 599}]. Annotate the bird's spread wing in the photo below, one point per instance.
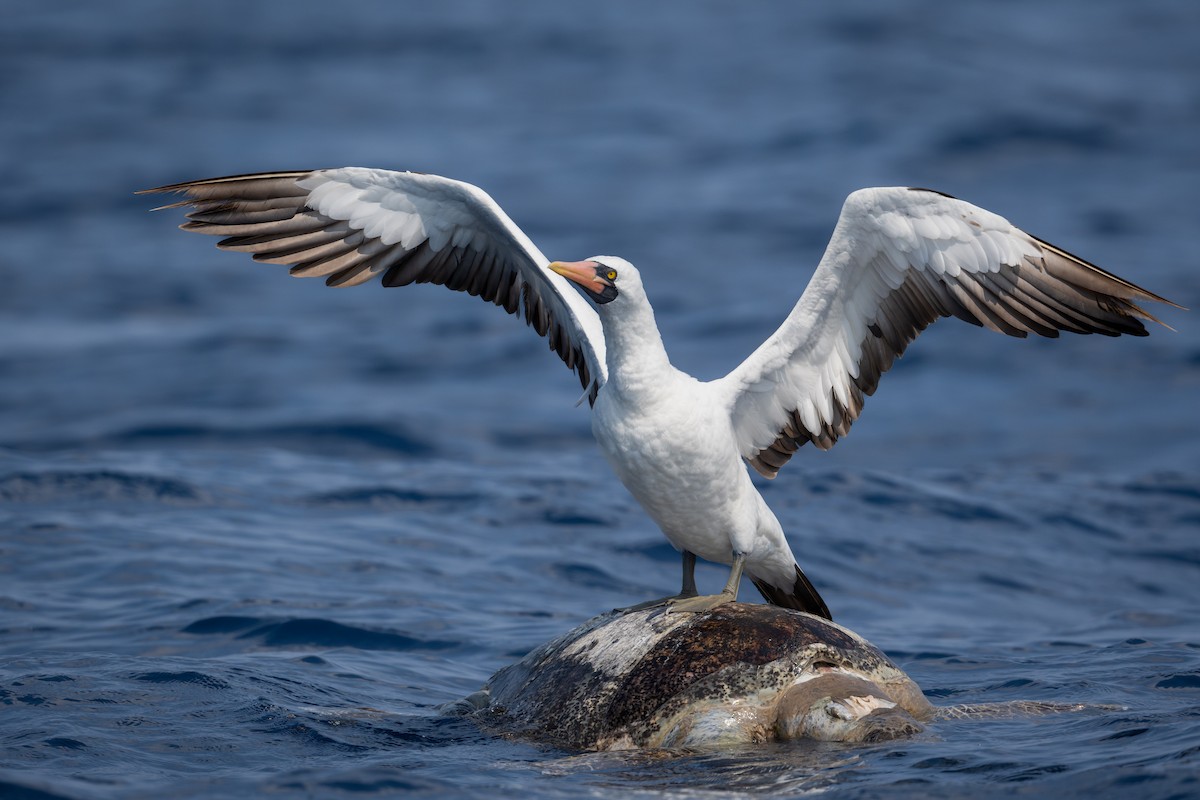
[
  {"x": 898, "y": 260},
  {"x": 350, "y": 225}
]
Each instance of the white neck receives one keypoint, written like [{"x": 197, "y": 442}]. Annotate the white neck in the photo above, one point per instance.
[{"x": 637, "y": 362}]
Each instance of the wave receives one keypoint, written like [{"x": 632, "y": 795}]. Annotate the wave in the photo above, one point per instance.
[
  {"x": 326, "y": 438},
  {"x": 95, "y": 485},
  {"x": 313, "y": 632}
]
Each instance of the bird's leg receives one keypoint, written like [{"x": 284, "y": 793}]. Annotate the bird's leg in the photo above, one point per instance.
[
  {"x": 707, "y": 602},
  {"x": 689, "y": 576},
  {"x": 687, "y": 590}
]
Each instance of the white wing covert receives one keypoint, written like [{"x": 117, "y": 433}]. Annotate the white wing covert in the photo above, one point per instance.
[
  {"x": 353, "y": 224},
  {"x": 898, "y": 260}
]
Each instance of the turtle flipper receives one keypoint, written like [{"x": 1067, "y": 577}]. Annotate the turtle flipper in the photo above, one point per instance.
[{"x": 1017, "y": 708}]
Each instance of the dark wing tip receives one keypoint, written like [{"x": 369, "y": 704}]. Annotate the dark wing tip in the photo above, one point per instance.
[
  {"x": 1129, "y": 286},
  {"x": 1132, "y": 287},
  {"x": 189, "y": 185}
]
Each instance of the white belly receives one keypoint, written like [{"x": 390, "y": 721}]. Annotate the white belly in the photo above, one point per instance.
[{"x": 678, "y": 459}]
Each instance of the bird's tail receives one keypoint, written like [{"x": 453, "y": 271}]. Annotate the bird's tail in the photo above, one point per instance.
[{"x": 803, "y": 596}]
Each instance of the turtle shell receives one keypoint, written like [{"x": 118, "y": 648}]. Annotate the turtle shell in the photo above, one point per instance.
[{"x": 619, "y": 679}]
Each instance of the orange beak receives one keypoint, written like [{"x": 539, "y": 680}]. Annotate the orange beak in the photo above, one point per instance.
[{"x": 582, "y": 272}]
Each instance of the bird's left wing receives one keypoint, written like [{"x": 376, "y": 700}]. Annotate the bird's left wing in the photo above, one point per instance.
[
  {"x": 898, "y": 260},
  {"x": 352, "y": 224}
]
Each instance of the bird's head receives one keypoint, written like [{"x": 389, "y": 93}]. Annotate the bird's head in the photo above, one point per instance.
[{"x": 604, "y": 279}]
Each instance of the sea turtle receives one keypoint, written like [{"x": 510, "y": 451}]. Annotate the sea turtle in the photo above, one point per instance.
[{"x": 734, "y": 674}]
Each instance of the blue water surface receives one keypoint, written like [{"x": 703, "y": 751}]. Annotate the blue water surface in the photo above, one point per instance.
[{"x": 253, "y": 531}]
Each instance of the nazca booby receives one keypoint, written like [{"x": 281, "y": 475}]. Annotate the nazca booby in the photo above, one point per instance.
[{"x": 899, "y": 258}]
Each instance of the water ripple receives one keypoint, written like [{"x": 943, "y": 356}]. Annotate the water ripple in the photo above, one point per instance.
[
  {"x": 313, "y": 633},
  {"x": 93, "y": 486}
]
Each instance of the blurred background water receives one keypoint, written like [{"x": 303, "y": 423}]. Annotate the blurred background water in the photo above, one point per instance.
[{"x": 253, "y": 531}]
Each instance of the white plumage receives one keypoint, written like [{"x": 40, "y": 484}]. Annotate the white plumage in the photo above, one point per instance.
[{"x": 898, "y": 259}]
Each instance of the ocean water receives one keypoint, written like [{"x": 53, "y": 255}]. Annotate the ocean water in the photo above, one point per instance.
[{"x": 253, "y": 531}]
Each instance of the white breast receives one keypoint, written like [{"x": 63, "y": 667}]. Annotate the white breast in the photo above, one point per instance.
[{"x": 676, "y": 455}]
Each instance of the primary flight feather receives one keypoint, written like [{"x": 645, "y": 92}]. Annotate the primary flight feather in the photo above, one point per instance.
[{"x": 898, "y": 260}]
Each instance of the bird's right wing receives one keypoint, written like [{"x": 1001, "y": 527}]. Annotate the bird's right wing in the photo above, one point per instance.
[
  {"x": 352, "y": 224},
  {"x": 898, "y": 260}
]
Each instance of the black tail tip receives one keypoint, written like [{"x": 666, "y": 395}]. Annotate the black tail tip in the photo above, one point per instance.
[{"x": 803, "y": 596}]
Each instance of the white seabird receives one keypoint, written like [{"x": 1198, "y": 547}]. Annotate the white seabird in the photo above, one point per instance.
[{"x": 898, "y": 259}]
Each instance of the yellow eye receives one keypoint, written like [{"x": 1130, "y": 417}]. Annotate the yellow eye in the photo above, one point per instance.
[{"x": 611, "y": 275}]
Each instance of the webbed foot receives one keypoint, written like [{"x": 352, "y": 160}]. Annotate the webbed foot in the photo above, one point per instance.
[
  {"x": 688, "y": 601},
  {"x": 662, "y": 601},
  {"x": 698, "y": 603},
  {"x": 707, "y": 602}
]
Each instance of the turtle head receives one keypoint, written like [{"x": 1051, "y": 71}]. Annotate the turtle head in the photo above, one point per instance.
[{"x": 838, "y": 707}]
